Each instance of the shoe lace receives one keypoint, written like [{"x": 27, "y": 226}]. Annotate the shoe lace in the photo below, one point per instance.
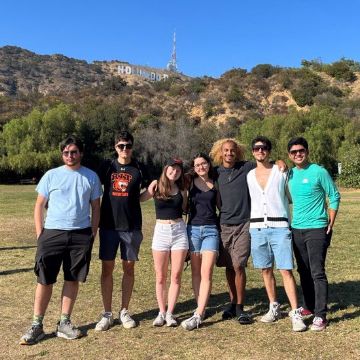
[
  {"x": 68, "y": 324},
  {"x": 197, "y": 319},
  {"x": 317, "y": 320},
  {"x": 125, "y": 316}
]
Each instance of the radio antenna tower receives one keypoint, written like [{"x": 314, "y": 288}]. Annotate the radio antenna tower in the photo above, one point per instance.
[{"x": 172, "y": 66}]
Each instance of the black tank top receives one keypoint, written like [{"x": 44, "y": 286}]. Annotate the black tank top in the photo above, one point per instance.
[
  {"x": 202, "y": 206},
  {"x": 170, "y": 209}
]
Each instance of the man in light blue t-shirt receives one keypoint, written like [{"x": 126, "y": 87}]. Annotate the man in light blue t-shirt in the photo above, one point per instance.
[
  {"x": 71, "y": 193},
  {"x": 312, "y": 223}
]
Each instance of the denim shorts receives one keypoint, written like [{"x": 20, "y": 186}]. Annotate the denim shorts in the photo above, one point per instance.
[
  {"x": 169, "y": 237},
  {"x": 269, "y": 244},
  {"x": 203, "y": 238},
  {"x": 128, "y": 241}
]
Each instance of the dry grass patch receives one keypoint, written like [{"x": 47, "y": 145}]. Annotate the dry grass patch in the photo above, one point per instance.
[{"x": 216, "y": 339}]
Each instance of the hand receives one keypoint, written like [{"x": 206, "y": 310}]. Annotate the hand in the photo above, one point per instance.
[
  {"x": 329, "y": 229},
  {"x": 282, "y": 165},
  {"x": 152, "y": 187}
]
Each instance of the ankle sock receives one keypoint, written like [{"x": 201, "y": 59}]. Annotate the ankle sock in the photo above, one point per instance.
[
  {"x": 37, "y": 319},
  {"x": 64, "y": 318}
]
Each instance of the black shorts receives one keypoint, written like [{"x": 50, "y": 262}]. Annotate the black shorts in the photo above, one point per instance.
[{"x": 71, "y": 248}]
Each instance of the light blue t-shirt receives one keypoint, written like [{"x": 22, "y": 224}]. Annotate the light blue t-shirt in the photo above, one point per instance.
[
  {"x": 69, "y": 193},
  {"x": 309, "y": 187}
]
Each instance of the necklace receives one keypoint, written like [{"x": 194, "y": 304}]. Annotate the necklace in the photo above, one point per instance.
[{"x": 230, "y": 175}]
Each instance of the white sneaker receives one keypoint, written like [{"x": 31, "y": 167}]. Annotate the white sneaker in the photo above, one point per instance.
[
  {"x": 105, "y": 322},
  {"x": 127, "y": 321},
  {"x": 297, "y": 320},
  {"x": 273, "y": 314},
  {"x": 192, "y": 323},
  {"x": 160, "y": 319},
  {"x": 170, "y": 320}
]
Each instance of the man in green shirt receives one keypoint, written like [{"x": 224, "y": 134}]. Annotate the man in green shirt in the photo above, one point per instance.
[{"x": 310, "y": 185}]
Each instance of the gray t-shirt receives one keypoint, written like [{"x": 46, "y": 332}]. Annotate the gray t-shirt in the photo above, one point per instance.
[{"x": 234, "y": 192}]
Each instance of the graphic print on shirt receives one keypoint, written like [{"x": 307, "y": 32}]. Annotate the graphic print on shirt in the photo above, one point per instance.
[{"x": 120, "y": 183}]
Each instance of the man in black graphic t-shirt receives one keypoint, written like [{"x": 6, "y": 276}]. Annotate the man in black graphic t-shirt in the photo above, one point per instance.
[{"x": 120, "y": 225}]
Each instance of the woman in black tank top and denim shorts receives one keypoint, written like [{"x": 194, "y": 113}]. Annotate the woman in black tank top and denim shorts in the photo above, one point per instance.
[
  {"x": 203, "y": 234},
  {"x": 170, "y": 242}
]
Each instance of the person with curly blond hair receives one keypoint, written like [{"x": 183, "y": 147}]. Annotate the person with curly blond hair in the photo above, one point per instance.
[{"x": 232, "y": 171}]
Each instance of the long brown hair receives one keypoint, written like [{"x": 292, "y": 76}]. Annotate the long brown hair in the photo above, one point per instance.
[{"x": 163, "y": 189}]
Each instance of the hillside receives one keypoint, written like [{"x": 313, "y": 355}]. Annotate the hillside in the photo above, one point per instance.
[
  {"x": 28, "y": 79},
  {"x": 22, "y": 71}
]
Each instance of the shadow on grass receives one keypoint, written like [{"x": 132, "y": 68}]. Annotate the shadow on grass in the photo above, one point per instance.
[
  {"x": 17, "y": 247},
  {"x": 15, "y": 271},
  {"x": 341, "y": 296}
]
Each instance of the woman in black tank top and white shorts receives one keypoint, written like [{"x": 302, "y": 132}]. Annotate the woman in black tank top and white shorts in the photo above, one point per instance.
[{"x": 170, "y": 242}]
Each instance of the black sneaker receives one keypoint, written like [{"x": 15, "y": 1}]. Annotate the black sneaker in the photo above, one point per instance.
[
  {"x": 229, "y": 312},
  {"x": 33, "y": 335},
  {"x": 244, "y": 318}
]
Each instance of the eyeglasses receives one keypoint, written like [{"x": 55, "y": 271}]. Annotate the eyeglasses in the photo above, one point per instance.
[
  {"x": 300, "y": 151},
  {"x": 71, "y": 153},
  {"x": 203, "y": 164},
  {"x": 260, "y": 147},
  {"x": 124, "y": 146}
]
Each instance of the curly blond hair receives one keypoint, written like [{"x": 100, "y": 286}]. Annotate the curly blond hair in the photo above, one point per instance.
[{"x": 216, "y": 150}]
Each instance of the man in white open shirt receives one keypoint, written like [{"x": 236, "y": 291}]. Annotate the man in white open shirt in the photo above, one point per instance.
[{"x": 269, "y": 230}]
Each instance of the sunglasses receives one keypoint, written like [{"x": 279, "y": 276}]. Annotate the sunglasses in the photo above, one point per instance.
[
  {"x": 300, "y": 151},
  {"x": 260, "y": 147},
  {"x": 124, "y": 146},
  {"x": 71, "y": 153}
]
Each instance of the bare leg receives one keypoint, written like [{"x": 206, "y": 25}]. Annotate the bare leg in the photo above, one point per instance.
[
  {"x": 230, "y": 277},
  {"x": 208, "y": 259},
  {"x": 240, "y": 283},
  {"x": 127, "y": 283},
  {"x": 290, "y": 287},
  {"x": 196, "y": 273},
  {"x": 177, "y": 266},
  {"x": 161, "y": 263},
  {"x": 42, "y": 298},
  {"x": 68, "y": 297},
  {"x": 107, "y": 283},
  {"x": 270, "y": 283}
]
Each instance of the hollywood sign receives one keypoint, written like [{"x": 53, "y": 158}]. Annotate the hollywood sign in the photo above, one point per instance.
[{"x": 126, "y": 69}]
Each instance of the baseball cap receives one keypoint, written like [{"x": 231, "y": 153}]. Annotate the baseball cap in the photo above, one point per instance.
[{"x": 174, "y": 161}]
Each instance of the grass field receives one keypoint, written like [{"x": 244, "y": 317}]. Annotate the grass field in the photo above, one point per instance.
[{"x": 216, "y": 339}]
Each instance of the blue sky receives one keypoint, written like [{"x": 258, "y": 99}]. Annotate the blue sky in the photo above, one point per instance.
[{"x": 212, "y": 36}]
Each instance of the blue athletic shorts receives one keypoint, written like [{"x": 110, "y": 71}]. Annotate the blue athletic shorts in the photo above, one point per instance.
[
  {"x": 128, "y": 241},
  {"x": 203, "y": 238},
  {"x": 269, "y": 244}
]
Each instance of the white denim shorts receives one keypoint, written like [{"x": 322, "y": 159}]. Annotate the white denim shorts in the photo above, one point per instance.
[{"x": 169, "y": 237}]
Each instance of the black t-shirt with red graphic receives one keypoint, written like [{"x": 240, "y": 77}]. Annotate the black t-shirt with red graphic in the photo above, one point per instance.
[{"x": 120, "y": 206}]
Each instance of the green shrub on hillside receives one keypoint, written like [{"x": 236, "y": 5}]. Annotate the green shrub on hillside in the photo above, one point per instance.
[
  {"x": 265, "y": 70},
  {"x": 340, "y": 70}
]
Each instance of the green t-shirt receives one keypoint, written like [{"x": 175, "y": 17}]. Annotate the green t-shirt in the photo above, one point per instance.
[{"x": 309, "y": 187}]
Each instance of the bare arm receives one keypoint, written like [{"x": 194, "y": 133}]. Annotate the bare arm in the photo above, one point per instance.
[
  {"x": 95, "y": 215},
  {"x": 185, "y": 200},
  {"x": 39, "y": 210},
  {"x": 282, "y": 165},
  {"x": 218, "y": 201},
  {"x": 149, "y": 192},
  {"x": 332, "y": 216}
]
